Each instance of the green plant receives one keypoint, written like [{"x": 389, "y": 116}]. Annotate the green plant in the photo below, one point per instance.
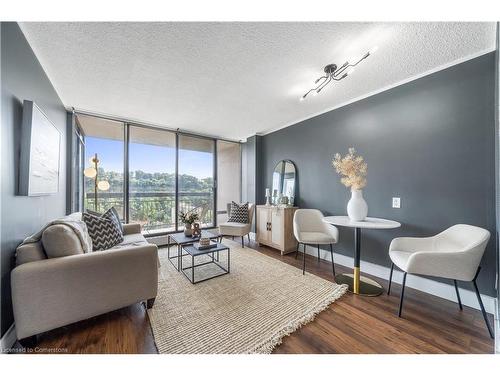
[{"x": 188, "y": 217}]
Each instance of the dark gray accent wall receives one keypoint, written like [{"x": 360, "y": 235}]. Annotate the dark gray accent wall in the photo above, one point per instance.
[
  {"x": 23, "y": 78},
  {"x": 430, "y": 142},
  {"x": 251, "y": 162}
]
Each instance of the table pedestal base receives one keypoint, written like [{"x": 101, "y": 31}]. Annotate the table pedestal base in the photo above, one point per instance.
[{"x": 367, "y": 287}]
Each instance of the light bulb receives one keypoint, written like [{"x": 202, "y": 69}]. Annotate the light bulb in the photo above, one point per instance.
[
  {"x": 90, "y": 172},
  {"x": 103, "y": 185},
  {"x": 302, "y": 98},
  {"x": 373, "y": 50},
  {"x": 315, "y": 93},
  {"x": 351, "y": 71}
]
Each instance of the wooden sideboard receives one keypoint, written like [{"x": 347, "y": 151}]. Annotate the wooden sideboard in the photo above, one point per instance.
[{"x": 275, "y": 227}]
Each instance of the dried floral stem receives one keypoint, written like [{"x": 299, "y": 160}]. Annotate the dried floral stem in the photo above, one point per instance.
[{"x": 352, "y": 168}]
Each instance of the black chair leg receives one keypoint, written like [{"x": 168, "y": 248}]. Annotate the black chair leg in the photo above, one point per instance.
[
  {"x": 390, "y": 280},
  {"x": 458, "y": 295},
  {"x": 242, "y": 241},
  {"x": 333, "y": 263},
  {"x": 297, "y": 252},
  {"x": 248, "y": 234},
  {"x": 318, "y": 253},
  {"x": 478, "y": 295},
  {"x": 304, "y": 261},
  {"x": 402, "y": 295}
]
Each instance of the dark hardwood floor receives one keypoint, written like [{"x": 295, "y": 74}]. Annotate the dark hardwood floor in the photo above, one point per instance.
[{"x": 353, "y": 324}]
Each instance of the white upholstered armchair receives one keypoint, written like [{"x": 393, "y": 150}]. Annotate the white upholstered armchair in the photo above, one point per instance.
[
  {"x": 453, "y": 254},
  {"x": 310, "y": 229},
  {"x": 237, "y": 229}
]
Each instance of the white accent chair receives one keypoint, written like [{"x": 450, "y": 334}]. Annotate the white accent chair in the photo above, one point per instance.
[
  {"x": 310, "y": 229},
  {"x": 237, "y": 229},
  {"x": 453, "y": 254}
]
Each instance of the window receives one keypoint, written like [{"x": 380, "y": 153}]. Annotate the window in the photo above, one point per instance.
[
  {"x": 152, "y": 179},
  {"x": 228, "y": 176},
  {"x": 196, "y": 177},
  {"x": 150, "y": 175},
  {"x": 104, "y": 139}
]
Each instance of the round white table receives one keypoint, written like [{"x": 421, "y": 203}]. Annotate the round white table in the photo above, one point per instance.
[{"x": 360, "y": 285}]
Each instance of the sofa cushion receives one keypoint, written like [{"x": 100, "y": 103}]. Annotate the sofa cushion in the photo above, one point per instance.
[
  {"x": 233, "y": 229},
  {"x": 238, "y": 213},
  {"x": 130, "y": 240},
  {"x": 104, "y": 230},
  {"x": 60, "y": 240},
  {"x": 30, "y": 252}
]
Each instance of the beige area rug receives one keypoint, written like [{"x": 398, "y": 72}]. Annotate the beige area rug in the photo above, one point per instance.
[{"x": 247, "y": 311}]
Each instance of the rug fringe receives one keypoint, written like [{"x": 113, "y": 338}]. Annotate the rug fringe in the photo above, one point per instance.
[{"x": 269, "y": 344}]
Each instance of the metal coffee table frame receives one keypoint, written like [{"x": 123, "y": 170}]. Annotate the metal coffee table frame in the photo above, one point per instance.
[
  {"x": 181, "y": 240},
  {"x": 213, "y": 254}
]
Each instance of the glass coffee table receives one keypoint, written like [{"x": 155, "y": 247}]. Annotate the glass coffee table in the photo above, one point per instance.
[
  {"x": 210, "y": 258},
  {"x": 181, "y": 240}
]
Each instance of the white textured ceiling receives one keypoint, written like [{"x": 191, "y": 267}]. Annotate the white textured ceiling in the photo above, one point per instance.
[{"x": 236, "y": 79}]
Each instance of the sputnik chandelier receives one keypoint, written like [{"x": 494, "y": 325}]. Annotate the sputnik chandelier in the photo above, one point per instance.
[{"x": 334, "y": 73}]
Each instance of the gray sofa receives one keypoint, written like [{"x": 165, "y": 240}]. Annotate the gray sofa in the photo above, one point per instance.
[{"x": 52, "y": 292}]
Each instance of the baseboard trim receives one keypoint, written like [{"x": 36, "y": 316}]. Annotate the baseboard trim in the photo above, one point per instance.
[
  {"x": 8, "y": 339},
  {"x": 435, "y": 288}
]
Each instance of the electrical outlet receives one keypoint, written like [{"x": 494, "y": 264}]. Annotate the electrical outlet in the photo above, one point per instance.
[{"x": 396, "y": 202}]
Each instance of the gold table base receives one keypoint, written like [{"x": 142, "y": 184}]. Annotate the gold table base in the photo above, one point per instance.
[{"x": 366, "y": 287}]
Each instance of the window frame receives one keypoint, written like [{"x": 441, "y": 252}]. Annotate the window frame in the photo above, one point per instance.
[{"x": 126, "y": 178}]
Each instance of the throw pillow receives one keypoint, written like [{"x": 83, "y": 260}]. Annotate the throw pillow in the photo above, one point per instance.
[
  {"x": 60, "y": 240},
  {"x": 239, "y": 213},
  {"x": 115, "y": 216},
  {"x": 104, "y": 230}
]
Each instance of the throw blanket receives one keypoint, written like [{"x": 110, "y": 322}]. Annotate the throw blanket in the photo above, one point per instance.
[{"x": 73, "y": 221}]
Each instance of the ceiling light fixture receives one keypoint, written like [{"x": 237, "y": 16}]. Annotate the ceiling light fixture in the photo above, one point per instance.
[{"x": 334, "y": 73}]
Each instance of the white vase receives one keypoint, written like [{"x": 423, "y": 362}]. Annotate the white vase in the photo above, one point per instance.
[
  {"x": 357, "y": 209},
  {"x": 188, "y": 230}
]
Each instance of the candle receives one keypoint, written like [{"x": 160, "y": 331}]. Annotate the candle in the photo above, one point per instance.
[{"x": 268, "y": 192}]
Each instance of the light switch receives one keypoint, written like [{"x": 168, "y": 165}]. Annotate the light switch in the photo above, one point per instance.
[{"x": 396, "y": 202}]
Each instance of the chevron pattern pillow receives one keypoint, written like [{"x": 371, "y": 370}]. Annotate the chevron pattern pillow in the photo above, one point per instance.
[
  {"x": 115, "y": 216},
  {"x": 239, "y": 213},
  {"x": 104, "y": 230}
]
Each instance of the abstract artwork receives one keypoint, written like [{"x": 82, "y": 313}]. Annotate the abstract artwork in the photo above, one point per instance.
[{"x": 39, "y": 153}]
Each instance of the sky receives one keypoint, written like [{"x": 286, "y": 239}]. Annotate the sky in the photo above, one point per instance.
[{"x": 148, "y": 158}]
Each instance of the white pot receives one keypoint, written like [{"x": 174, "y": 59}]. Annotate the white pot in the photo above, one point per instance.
[
  {"x": 188, "y": 230},
  {"x": 357, "y": 209}
]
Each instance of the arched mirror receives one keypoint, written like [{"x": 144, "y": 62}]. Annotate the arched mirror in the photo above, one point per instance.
[{"x": 284, "y": 177}]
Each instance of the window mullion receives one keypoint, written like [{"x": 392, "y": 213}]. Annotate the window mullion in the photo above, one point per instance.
[{"x": 126, "y": 175}]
